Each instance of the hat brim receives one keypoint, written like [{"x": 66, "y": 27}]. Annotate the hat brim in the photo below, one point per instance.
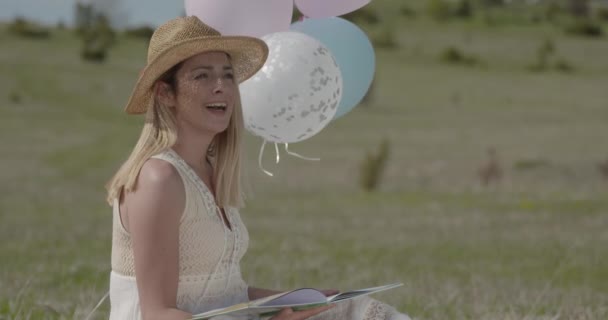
[{"x": 247, "y": 55}]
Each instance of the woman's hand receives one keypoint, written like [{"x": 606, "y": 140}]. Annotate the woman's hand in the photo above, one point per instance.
[{"x": 289, "y": 314}]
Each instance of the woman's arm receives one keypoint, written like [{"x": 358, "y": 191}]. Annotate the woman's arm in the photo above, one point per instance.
[{"x": 153, "y": 213}]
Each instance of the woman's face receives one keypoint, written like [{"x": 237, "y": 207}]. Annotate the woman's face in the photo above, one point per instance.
[{"x": 206, "y": 93}]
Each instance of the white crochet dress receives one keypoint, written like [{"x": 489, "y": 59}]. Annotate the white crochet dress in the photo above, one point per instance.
[{"x": 209, "y": 258}]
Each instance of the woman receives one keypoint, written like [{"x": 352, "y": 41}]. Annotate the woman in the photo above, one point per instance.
[{"x": 177, "y": 235}]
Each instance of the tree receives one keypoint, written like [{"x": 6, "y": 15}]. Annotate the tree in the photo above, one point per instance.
[
  {"x": 83, "y": 17},
  {"x": 578, "y": 8},
  {"x": 464, "y": 9}
]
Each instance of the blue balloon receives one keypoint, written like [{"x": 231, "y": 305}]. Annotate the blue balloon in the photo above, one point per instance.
[{"x": 354, "y": 54}]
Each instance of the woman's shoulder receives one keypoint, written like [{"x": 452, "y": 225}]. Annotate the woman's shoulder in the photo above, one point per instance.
[
  {"x": 158, "y": 172},
  {"x": 158, "y": 189},
  {"x": 158, "y": 181}
]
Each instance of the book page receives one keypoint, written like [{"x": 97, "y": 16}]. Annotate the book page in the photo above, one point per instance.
[
  {"x": 362, "y": 292},
  {"x": 297, "y": 297}
]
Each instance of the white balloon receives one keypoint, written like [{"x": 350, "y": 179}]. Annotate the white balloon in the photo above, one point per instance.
[{"x": 297, "y": 92}]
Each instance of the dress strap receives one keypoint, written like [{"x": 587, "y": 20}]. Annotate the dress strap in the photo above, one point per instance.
[{"x": 187, "y": 172}]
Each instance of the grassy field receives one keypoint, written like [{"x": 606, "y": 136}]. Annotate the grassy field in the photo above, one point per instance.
[{"x": 534, "y": 245}]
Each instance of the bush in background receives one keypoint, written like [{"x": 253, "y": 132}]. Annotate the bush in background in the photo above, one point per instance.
[
  {"x": 543, "y": 55},
  {"x": 97, "y": 40},
  {"x": 546, "y": 58},
  {"x": 464, "y": 9},
  {"x": 602, "y": 14},
  {"x": 23, "y": 28},
  {"x": 552, "y": 11},
  {"x": 439, "y": 10},
  {"x": 15, "y": 97},
  {"x": 384, "y": 37},
  {"x": 83, "y": 18},
  {"x": 492, "y": 3},
  {"x": 453, "y": 55},
  {"x": 407, "y": 12},
  {"x": 373, "y": 166},
  {"x": 585, "y": 27},
  {"x": 531, "y": 164},
  {"x": 143, "y": 32},
  {"x": 563, "y": 65},
  {"x": 94, "y": 51},
  {"x": 96, "y": 32},
  {"x": 366, "y": 15},
  {"x": 578, "y": 8}
]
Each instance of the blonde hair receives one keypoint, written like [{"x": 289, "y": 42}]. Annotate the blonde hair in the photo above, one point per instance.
[{"x": 160, "y": 133}]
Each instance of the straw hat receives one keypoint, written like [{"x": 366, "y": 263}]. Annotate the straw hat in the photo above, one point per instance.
[{"x": 182, "y": 38}]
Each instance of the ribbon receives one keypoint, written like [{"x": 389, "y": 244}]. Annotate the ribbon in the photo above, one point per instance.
[
  {"x": 297, "y": 155},
  {"x": 278, "y": 156},
  {"x": 260, "y": 160}
]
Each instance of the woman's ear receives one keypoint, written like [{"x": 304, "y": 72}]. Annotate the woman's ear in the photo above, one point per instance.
[{"x": 165, "y": 94}]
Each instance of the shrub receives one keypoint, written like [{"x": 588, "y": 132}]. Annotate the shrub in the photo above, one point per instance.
[
  {"x": 439, "y": 9},
  {"x": 384, "y": 37},
  {"x": 543, "y": 54},
  {"x": 373, "y": 166},
  {"x": 547, "y": 47},
  {"x": 530, "y": 164},
  {"x": 563, "y": 65},
  {"x": 83, "y": 17},
  {"x": 492, "y": 3},
  {"x": 585, "y": 27},
  {"x": 453, "y": 55},
  {"x": 94, "y": 51},
  {"x": 364, "y": 15},
  {"x": 552, "y": 11},
  {"x": 143, "y": 32},
  {"x": 464, "y": 9},
  {"x": 97, "y": 39},
  {"x": 15, "y": 97},
  {"x": 407, "y": 12},
  {"x": 578, "y": 8},
  {"x": 23, "y": 28},
  {"x": 602, "y": 14}
]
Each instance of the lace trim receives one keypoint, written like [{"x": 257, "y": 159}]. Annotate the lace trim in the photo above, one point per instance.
[
  {"x": 210, "y": 203},
  {"x": 213, "y": 209},
  {"x": 376, "y": 311}
]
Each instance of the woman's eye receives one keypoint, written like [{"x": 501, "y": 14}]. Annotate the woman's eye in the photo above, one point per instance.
[
  {"x": 229, "y": 76},
  {"x": 201, "y": 76}
]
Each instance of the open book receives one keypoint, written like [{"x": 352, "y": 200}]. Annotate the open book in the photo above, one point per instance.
[{"x": 298, "y": 299}]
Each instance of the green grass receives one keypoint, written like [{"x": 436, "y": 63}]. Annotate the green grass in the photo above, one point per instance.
[{"x": 533, "y": 246}]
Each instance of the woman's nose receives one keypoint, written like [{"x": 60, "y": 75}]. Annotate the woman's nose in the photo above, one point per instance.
[{"x": 219, "y": 85}]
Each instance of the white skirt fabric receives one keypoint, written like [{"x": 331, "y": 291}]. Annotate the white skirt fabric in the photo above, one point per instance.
[
  {"x": 124, "y": 297},
  {"x": 362, "y": 308}
]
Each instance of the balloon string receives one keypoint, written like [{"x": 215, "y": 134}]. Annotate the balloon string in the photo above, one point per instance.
[
  {"x": 276, "y": 150},
  {"x": 260, "y": 160},
  {"x": 299, "y": 156}
]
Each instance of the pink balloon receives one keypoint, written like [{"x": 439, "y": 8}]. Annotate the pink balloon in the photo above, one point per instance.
[
  {"x": 255, "y": 18},
  {"x": 328, "y": 8}
]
